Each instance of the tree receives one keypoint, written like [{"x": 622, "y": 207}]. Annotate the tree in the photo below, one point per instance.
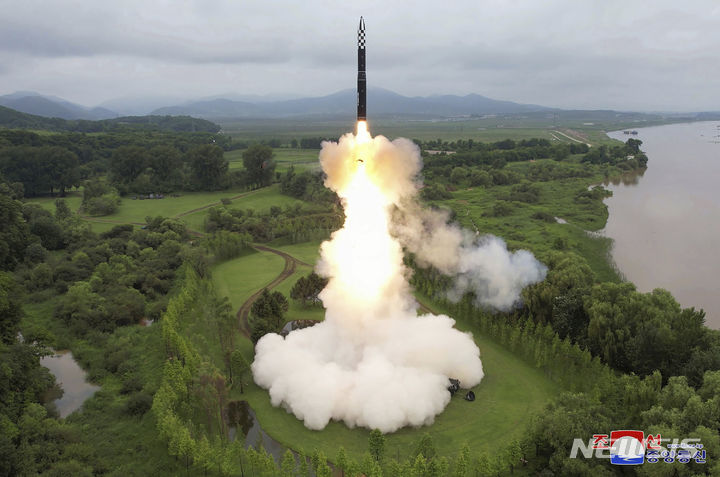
[
  {"x": 209, "y": 167},
  {"x": 127, "y": 162},
  {"x": 14, "y": 233},
  {"x": 10, "y": 307},
  {"x": 287, "y": 465},
  {"x": 259, "y": 165},
  {"x": 377, "y": 445},
  {"x": 62, "y": 211},
  {"x": 270, "y": 308},
  {"x": 342, "y": 460},
  {"x": 426, "y": 447},
  {"x": 239, "y": 366},
  {"x": 307, "y": 289},
  {"x": 462, "y": 462}
]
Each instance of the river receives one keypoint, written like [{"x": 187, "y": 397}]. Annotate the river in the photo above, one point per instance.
[{"x": 665, "y": 223}]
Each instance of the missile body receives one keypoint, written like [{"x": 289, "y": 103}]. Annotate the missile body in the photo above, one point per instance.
[{"x": 361, "y": 79}]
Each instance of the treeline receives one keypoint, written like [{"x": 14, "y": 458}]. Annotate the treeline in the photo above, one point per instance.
[
  {"x": 627, "y": 157},
  {"x": 445, "y": 173},
  {"x": 12, "y": 119},
  {"x": 292, "y": 223},
  {"x": 45, "y": 164},
  {"x": 523, "y": 147}
]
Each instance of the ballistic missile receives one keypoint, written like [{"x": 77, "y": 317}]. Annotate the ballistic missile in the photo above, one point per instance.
[{"x": 361, "y": 80}]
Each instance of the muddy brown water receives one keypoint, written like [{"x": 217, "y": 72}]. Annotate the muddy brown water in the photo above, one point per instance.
[{"x": 665, "y": 222}]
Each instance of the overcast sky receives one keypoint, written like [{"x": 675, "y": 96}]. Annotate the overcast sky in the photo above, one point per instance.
[{"x": 628, "y": 55}]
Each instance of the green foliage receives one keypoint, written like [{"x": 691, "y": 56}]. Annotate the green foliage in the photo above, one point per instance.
[
  {"x": 259, "y": 165},
  {"x": 307, "y": 289},
  {"x": 226, "y": 245},
  {"x": 376, "y": 444},
  {"x": 209, "y": 167},
  {"x": 14, "y": 233},
  {"x": 268, "y": 311},
  {"x": 99, "y": 198}
]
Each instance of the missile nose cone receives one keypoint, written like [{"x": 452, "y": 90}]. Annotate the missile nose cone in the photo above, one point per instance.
[{"x": 361, "y": 27}]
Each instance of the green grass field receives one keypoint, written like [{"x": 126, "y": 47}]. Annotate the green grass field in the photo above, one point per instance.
[
  {"x": 239, "y": 278},
  {"x": 73, "y": 199},
  {"x": 308, "y": 252},
  {"x": 301, "y": 159}
]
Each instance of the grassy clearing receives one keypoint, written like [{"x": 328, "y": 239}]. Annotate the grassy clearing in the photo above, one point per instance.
[
  {"x": 301, "y": 159},
  {"x": 136, "y": 210},
  {"x": 239, "y": 278},
  {"x": 73, "y": 199},
  {"x": 308, "y": 252}
]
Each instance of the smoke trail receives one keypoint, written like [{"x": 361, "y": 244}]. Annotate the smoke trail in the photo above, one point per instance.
[{"x": 373, "y": 362}]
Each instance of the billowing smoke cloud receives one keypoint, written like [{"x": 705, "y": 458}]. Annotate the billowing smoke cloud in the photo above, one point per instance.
[
  {"x": 479, "y": 264},
  {"x": 373, "y": 362}
]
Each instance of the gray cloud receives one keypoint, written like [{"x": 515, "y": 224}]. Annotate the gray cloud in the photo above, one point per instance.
[{"x": 611, "y": 54}]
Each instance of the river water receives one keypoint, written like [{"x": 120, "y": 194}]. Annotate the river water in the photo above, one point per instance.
[{"x": 665, "y": 223}]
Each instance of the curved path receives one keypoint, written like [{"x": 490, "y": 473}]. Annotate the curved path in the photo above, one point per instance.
[{"x": 291, "y": 264}]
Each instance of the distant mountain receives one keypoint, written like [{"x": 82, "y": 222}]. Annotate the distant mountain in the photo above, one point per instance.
[
  {"x": 381, "y": 103},
  {"x": 52, "y": 107},
  {"x": 12, "y": 119}
]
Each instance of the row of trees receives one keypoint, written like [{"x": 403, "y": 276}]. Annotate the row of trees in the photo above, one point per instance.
[{"x": 291, "y": 223}]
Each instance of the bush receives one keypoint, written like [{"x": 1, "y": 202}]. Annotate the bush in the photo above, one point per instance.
[
  {"x": 501, "y": 209},
  {"x": 544, "y": 216},
  {"x": 138, "y": 404}
]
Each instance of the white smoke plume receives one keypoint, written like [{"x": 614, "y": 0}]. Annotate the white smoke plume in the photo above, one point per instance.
[
  {"x": 479, "y": 264},
  {"x": 373, "y": 362}
]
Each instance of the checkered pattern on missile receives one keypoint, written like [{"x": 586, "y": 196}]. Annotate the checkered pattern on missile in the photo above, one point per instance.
[{"x": 361, "y": 39}]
